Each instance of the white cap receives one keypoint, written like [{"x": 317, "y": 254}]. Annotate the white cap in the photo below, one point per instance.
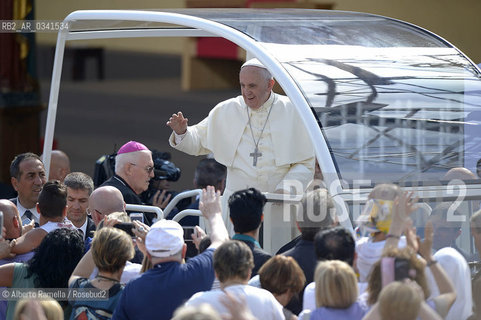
[
  {"x": 253, "y": 63},
  {"x": 165, "y": 238}
]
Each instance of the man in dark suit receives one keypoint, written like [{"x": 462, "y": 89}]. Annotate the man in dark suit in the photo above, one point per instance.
[
  {"x": 207, "y": 173},
  {"x": 133, "y": 170},
  {"x": 317, "y": 213},
  {"x": 27, "y": 177},
  {"x": 79, "y": 187},
  {"x": 246, "y": 212}
]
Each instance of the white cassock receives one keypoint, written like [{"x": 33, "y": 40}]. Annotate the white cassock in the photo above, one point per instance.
[{"x": 287, "y": 153}]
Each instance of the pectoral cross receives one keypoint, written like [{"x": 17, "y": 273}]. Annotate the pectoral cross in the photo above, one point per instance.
[{"x": 256, "y": 154}]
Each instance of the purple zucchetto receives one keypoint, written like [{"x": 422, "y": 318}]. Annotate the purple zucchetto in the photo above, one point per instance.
[{"x": 132, "y": 146}]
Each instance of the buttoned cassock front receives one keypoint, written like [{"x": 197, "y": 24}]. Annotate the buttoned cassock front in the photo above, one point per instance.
[{"x": 287, "y": 153}]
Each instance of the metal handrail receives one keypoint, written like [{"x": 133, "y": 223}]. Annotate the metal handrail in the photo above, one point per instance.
[
  {"x": 187, "y": 212},
  {"x": 146, "y": 208},
  {"x": 180, "y": 196}
]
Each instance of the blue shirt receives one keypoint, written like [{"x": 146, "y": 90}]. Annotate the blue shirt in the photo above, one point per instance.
[
  {"x": 355, "y": 312},
  {"x": 162, "y": 289}
]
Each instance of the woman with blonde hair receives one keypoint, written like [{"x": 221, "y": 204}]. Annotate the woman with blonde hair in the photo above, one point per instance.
[
  {"x": 402, "y": 301},
  {"x": 111, "y": 249},
  {"x": 45, "y": 308},
  {"x": 336, "y": 292}
]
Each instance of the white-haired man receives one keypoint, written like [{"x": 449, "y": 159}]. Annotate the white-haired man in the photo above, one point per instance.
[
  {"x": 133, "y": 170},
  {"x": 258, "y": 136}
]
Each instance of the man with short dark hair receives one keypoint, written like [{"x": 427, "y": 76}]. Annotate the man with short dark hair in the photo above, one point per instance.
[
  {"x": 233, "y": 264},
  {"x": 331, "y": 244},
  {"x": 27, "y": 175},
  {"x": 335, "y": 244},
  {"x": 52, "y": 205},
  {"x": 209, "y": 172},
  {"x": 79, "y": 187},
  {"x": 246, "y": 213}
]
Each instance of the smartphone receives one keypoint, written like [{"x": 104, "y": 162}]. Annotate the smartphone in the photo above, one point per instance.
[
  {"x": 394, "y": 269},
  {"x": 127, "y": 227},
  {"x": 188, "y": 231},
  {"x": 139, "y": 216},
  {"x": 401, "y": 269}
]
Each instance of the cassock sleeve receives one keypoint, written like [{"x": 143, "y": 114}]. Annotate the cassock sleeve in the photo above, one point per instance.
[
  {"x": 302, "y": 172},
  {"x": 194, "y": 141}
]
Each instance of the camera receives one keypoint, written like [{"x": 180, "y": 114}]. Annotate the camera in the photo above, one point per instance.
[{"x": 165, "y": 170}]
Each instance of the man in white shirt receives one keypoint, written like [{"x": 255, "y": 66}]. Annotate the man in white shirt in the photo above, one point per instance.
[
  {"x": 27, "y": 177},
  {"x": 258, "y": 136},
  {"x": 233, "y": 265}
]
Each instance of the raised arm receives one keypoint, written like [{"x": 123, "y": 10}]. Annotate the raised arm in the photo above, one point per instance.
[
  {"x": 403, "y": 206},
  {"x": 84, "y": 268},
  {"x": 210, "y": 207},
  {"x": 447, "y": 293},
  {"x": 178, "y": 123},
  {"x": 29, "y": 241}
]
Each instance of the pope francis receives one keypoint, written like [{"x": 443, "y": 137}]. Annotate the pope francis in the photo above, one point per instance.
[{"x": 258, "y": 136}]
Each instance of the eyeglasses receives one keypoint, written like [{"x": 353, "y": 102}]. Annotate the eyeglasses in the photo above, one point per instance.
[
  {"x": 90, "y": 212},
  {"x": 148, "y": 169}
]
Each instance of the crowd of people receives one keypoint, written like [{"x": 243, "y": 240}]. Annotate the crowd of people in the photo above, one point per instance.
[
  {"x": 63, "y": 233},
  {"x": 85, "y": 239}
]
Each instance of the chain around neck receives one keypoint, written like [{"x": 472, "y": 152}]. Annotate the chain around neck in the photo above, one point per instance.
[{"x": 256, "y": 143}]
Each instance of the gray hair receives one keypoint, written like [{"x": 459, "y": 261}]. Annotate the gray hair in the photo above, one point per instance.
[
  {"x": 124, "y": 158},
  {"x": 201, "y": 312},
  {"x": 79, "y": 181},
  {"x": 266, "y": 74}
]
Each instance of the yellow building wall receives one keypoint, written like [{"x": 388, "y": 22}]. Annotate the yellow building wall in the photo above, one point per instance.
[
  {"x": 456, "y": 21},
  {"x": 58, "y": 10}
]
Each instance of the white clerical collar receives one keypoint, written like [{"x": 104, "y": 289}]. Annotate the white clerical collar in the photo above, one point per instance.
[
  {"x": 265, "y": 107},
  {"x": 22, "y": 209}
]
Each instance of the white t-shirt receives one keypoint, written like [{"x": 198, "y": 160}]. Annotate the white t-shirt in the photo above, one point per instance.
[
  {"x": 260, "y": 302},
  {"x": 50, "y": 225},
  {"x": 368, "y": 253},
  {"x": 458, "y": 271}
]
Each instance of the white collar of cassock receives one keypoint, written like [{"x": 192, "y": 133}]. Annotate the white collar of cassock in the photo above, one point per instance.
[{"x": 265, "y": 107}]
